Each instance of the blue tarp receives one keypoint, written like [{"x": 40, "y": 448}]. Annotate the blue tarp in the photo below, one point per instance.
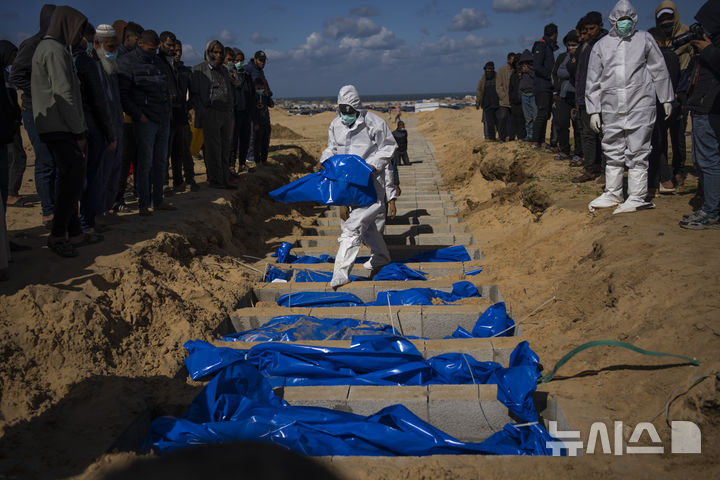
[
  {"x": 375, "y": 360},
  {"x": 399, "y": 271},
  {"x": 493, "y": 321},
  {"x": 345, "y": 180},
  {"x": 319, "y": 299},
  {"x": 474, "y": 272},
  {"x": 274, "y": 273},
  {"x": 449, "y": 254},
  {"x": 425, "y": 296},
  {"x": 293, "y": 328},
  {"x": 239, "y": 405}
]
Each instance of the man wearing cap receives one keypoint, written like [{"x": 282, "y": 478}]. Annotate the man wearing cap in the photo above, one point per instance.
[
  {"x": 356, "y": 131},
  {"x": 256, "y": 69}
]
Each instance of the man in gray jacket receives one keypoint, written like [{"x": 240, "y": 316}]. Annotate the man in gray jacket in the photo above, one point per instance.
[{"x": 60, "y": 122}]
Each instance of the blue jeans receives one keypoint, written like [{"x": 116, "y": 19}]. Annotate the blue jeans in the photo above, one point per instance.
[
  {"x": 529, "y": 111},
  {"x": 152, "y": 145},
  {"x": 44, "y": 166},
  {"x": 706, "y": 155}
]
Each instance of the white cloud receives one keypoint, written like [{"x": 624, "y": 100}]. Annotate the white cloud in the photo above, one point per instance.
[
  {"x": 383, "y": 40},
  {"x": 190, "y": 56},
  {"x": 227, "y": 37},
  {"x": 468, "y": 20},
  {"x": 338, "y": 27},
  {"x": 258, "y": 39}
]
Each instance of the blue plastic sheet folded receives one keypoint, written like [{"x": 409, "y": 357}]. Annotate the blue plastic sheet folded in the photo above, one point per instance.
[
  {"x": 302, "y": 275},
  {"x": 474, "y": 272},
  {"x": 239, "y": 404},
  {"x": 274, "y": 273},
  {"x": 450, "y": 254},
  {"x": 293, "y": 328},
  {"x": 345, "y": 180},
  {"x": 399, "y": 271},
  {"x": 493, "y": 321},
  {"x": 319, "y": 299},
  {"x": 425, "y": 296}
]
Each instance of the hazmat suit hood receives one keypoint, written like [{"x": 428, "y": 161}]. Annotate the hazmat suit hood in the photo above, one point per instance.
[
  {"x": 46, "y": 13},
  {"x": 349, "y": 96},
  {"x": 622, "y": 9},
  {"x": 678, "y": 26},
  {"x": 6, "y": 51},
  {"x": 66, "y": 25},
  {"x": 709, "y": 18}
]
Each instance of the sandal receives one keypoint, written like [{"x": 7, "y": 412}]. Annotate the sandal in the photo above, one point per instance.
[
  {"x": 575, "y": 162},
  {"x": 62, "y": 247},
  {"x": 21, "y": 203},
  {"x": 89, "y": 238}
]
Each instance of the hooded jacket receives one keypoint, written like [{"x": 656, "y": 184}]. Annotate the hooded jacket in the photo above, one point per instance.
[
  {"x": 56, "y": 98},
  {"x": 543, "y": 63},
  {"x": 369, "y": 138},
  {"x": 626, "y": 73},
  {"x": 20, "y": 73},
  {"x": 685, "y": 52},
  {"x": 705, "y": 69},
  {"x": 143, "y": 86}
]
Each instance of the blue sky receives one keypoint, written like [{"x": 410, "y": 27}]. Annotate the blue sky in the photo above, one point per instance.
[{"x": 316, "y": 46}]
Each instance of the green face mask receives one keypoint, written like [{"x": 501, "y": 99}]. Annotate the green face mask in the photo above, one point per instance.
[
  {"x": 239, "y": 65},
  {"x": 260, "y": 91},
  {"x": 348, "y": 119},
  {"x": 625, "y": 27},
  {"x": 230, "y": 66}
]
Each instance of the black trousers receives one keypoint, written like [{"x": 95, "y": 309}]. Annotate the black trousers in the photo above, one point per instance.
[
  {"x": 129, "y": 157},
  {"x": 565, "y": 116},
  {"x": 260, "y": 144},
  {"x": 517, "y": 123},
  {"x": 183, "y": 169},
  {"x": 241, "y": 138},
  {"x": 658, "y": 168},
  {"x": 502, "y": 117},
  {"x": 593, "y": 160},
  {"x": 490, "y": 118},
  {"x": 677, "y": 124},
  {"x": 70, "y": 171},
  {"x": 543, "y": 101}
]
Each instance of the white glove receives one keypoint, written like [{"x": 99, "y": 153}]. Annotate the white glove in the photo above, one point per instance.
[
  {"x": 595, "y": 123},
  {"x": 668, "y": 110}
]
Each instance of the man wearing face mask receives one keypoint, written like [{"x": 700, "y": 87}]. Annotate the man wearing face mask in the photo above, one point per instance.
[
  {"x": 704, "y": 105},
  {"x": 146, "y": 100},
  {"x": 212, "y": 100},
  {"x": 358, "y": 132},
  {"x": 667, "y": 18},
  {"x": 625, "y": 74},
  {"x": 60, "y": 121},
  {"x": 244, "y": 97}
]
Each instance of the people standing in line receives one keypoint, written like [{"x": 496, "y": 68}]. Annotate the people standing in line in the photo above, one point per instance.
[
  {"x": 565, "y": 102},
  {"x": 106, "y": 46},
  {"x": 244, "y": 97},
  {"x": 212, "y": 101},
  {"x": 60, "y": 122},
  {"x": 626, "y": 72},
  {"x": 526, "y": 86},
  {"x": 660, "y": 174},
  {"x": 667, "y": 18},
  {"x": 704, "y": 105},
  {"x": 543, "y": 63},
  {"x": 502, "y": 85},
  {"x": 487, "y": 98},
  {"x": 593, "y": 158},
  {"x": 129, "y": 35},
  {"x": 517, "y": 116},
  {"x": 146, "y": 100},
  {"x": 183, "y": 168},
  {"x": 100, "y": 132},
  {"x": 20, "y": 78},
  {"x": 256, "y": 69},
  {"x": 401, "y": 138},
  {"x": 16, "y": 158},
  {"x": 259, "y": 137}
]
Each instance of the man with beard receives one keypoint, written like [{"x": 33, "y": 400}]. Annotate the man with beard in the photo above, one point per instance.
[
  {"x": 487, "y": 98},
  {"x": 183, "y": 168},
  {"x": 106, "y": 46}
]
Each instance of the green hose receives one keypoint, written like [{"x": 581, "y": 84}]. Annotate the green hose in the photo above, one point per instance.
[{"x": 608, "y": 343}]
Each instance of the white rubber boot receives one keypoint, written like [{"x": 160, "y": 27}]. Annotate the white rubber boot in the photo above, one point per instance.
[
  {"x": 344, "y": 260},
  {"x": 612, "y": 195},
  {"x": 637, "y": 191}
]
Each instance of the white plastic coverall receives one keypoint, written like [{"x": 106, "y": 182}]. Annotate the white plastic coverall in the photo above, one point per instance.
[
  {"x": 625, "y": 74},
  {"x": 370, "y": 139}
]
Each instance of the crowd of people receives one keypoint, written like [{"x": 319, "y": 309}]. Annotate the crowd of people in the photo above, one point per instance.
[
  {"x": 624, "y": 92},
  {"x": 102, "y": 105}
]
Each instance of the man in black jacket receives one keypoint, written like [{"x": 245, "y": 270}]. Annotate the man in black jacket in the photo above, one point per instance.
[
  {"x": 212, "y": 100},
  {"x": 592, "y": 159},
  {"x": 20, "y": 79},
  {"x": 244, "y": 96},
  {"x": 146, "y": 100},
  {"x": 516, "y": 109},
  {"x": 256, "y": 69},
  {"x": 183, "y": 169},
  {"x": 543, "y": 63},
  {"x": 704, "y": 104}
]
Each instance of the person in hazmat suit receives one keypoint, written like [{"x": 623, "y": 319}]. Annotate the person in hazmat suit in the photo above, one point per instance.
[
  {"x": 358, "y": 132},
  {"x": 625, "y": 74}
]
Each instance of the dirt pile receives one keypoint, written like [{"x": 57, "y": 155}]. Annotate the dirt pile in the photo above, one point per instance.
[{"x": 280, "y": 131}]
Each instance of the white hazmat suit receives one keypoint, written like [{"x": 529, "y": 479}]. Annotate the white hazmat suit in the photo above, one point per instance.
[
  {"x": 625, "y": 74},
  {"x": 369, "y": 137}
]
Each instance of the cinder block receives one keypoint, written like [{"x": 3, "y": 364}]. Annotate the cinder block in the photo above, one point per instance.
[
  {"x": 496, "y": 414},
  {"x": 339, "y": 312},
  {"x": 410, "y": 320},
  {"x": 367, "y": 400},
  {"x": 478, "y": 348},
  {"x": 503, "y": 347},
  {"x": 334, "y": 396},
  {"x": 456, "y": 410}
]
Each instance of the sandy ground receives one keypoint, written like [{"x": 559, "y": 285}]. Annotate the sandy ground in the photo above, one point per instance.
[{"x": 90, "y": 343}]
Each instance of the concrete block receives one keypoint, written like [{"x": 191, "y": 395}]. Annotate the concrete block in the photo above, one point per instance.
[
  {"x": 338, "y": 312},
  {"x": 410, "y": 320},
  {"x": 456, "y": 410},
  {"x": 367, "y": 400},
  {"x": 478, "y": 348},
  {"x": 334, "y": 396},
  {"x": 502, "y": 348}
]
